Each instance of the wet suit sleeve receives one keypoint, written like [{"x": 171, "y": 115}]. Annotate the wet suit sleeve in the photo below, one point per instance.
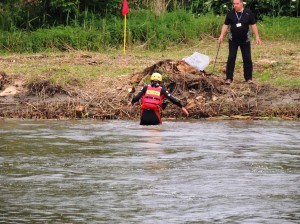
[
  {"x": 171, "y": 98},
  {"x": 139, "y": 95}
]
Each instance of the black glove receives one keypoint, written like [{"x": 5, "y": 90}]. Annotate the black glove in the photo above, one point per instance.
[{"x": 164, "y": 104}]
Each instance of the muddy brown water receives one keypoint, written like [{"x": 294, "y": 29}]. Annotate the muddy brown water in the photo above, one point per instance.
[{"x": 120, "y": 172}]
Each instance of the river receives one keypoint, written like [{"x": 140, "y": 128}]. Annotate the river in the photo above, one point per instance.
[{"x": 90, "y": 171}]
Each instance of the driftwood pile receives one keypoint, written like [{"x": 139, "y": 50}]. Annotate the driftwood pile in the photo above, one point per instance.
[
  {"x": 183, "y": 81},
  {"x": 178, "y": 77}
]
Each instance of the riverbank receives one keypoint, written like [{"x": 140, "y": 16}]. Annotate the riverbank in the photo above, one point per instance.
[{"x": 79, "y": 85}]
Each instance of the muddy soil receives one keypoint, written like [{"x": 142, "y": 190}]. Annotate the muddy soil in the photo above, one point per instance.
[{"x": 204, "y": 95}]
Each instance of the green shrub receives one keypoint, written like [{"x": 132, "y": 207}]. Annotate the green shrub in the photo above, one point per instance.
[
  {"x": 280, "y": 28},
  {"x": 143, "y": 28}
]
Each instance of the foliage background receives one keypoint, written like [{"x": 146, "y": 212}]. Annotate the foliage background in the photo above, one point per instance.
[
  {"x": 33, "y": 14},
  {"x": 39, "y": 25}
]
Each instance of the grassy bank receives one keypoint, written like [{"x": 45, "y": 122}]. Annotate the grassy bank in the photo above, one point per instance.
[
  {"x": 144, "y": 30},
  {"x": 275, "y": 62}
]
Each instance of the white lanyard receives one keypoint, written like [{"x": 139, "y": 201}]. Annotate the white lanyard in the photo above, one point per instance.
[{"x": 239, "y": 18}]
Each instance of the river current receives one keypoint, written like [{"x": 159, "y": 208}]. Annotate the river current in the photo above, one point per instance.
[{"x": 90, "y": 171}]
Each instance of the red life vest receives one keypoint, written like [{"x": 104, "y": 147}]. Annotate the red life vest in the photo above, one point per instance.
[{"x": 152, "y": 99}]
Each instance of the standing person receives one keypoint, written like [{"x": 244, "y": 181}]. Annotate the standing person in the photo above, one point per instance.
[
  {"x": 239, "y": 20},
  {"x": 152, "y": 100}
]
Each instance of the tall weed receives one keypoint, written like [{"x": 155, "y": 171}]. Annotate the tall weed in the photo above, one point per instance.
[
  {"x": 144, "y": 28},
  {"x": 280, "y": 28}
]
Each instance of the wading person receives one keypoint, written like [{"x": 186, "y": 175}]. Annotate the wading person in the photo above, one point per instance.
[
  {"x": 239, "y": 20},
  {"x": 151, "y": 101}
]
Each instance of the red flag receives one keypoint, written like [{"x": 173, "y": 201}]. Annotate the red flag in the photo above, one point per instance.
[{"x": 125, "y": 8}]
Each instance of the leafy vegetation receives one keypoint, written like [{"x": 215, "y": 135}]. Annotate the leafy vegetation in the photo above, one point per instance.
[
  {"x": 144, "y": 29},
  {"x": 95, "y": 25},
  {"x": 35, "y": 14}
]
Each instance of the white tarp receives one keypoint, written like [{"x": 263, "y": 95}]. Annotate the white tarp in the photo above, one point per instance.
[{"x": 197, "y": 60}]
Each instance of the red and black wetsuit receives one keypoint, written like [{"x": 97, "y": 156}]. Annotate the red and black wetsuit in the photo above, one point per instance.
[{"x": 152, "y": 98}]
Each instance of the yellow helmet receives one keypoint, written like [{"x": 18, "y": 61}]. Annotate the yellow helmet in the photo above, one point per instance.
[{"x": 156, "y": 76}]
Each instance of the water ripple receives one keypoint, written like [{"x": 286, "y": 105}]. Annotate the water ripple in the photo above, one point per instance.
[{"x": 121, "y": 172}]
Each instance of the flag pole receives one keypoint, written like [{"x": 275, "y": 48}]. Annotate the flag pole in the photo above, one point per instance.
[
  {"x": 124, "y": 49},
  {"x": 125, "y": 10}
]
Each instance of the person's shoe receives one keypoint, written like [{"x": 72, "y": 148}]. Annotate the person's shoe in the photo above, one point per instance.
[
  {"x": 228, "y": 81},
  {"x": 249, "y": 81}
]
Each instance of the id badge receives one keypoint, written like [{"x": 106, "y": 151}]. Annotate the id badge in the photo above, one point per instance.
[{"x": 238, "y": 25}]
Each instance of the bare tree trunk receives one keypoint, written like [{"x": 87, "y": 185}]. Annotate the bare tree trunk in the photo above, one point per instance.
[{"x": 159, "y": 6}]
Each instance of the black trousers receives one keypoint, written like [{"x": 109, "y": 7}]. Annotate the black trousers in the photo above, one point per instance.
[
  {"x": 149, "y": 117},
  {"x": 246, "y": 55}
]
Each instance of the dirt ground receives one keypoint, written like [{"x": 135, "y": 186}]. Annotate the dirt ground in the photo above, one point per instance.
[{"x": 204, "y": 95}]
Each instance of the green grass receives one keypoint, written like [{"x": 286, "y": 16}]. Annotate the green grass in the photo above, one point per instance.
[
  {"x": 278, "y": 79},
  {"x": 280, "y": 28},
  {"x": 83, "y": 67},
  {"x": 264, "y": 76},
  {"x": 287, "y": 82},
  {"x": 144, "y": 29}
]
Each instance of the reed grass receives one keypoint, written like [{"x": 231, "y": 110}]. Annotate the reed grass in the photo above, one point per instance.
[{"x": 144, "y": 29}]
